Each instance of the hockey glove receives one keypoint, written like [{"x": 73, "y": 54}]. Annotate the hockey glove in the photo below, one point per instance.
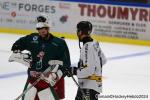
[
  {"x": 54, "y": 73},
  {"x": 23, "y": 58},
  {"x": 70, "y": 71},
  {"x": 53, "y": 77}
]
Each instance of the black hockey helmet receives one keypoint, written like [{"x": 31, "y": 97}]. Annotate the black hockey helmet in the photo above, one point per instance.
[
  {"x": 41, "y": 19},
  {"x": 85, "y": 27}
]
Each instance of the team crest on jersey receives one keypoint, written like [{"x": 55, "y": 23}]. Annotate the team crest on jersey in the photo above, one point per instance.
[
  {"x": 41, "y": 54},
  {"x": 39, "y": 63},
  {"x": 35, "y": 39}
]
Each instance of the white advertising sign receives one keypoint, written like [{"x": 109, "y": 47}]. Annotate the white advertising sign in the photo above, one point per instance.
[{"x": 108, "y": 20}]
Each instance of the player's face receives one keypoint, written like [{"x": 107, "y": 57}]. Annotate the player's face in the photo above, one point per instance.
[
  {"x": 43, "y": 32},
  {"x": 80, "y": 35}
]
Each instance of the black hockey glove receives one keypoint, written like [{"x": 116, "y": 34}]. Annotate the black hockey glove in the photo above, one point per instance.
[
  {"x": 74, "y": 70},
  {"x": 70, "y": 71}
]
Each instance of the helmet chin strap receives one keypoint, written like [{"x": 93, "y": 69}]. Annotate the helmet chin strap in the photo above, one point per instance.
[
  {"x": 79, "y": 32},
  {"x": 79, "y": 44}
]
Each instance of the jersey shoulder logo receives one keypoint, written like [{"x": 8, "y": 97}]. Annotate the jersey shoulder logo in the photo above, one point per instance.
[
  {"x": 96, "y": 46},
  {"x": 34, "y": 39}
]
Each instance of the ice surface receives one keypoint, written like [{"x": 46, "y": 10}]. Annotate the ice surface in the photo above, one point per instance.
[{"x": 127, "y": 71}]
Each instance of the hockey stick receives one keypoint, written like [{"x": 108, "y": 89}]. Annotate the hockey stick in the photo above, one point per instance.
[
  {"x": 77, "y": 85},
  {"x": 79, "y": 88},
  {"x": 40, "y": 78},
  {"x": 24, "y": 92}
]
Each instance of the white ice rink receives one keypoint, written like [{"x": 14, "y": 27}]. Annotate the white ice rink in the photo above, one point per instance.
[{"x": 127, "y": 71}]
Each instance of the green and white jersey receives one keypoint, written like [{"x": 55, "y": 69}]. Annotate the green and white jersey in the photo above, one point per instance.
[{"x": 42, "y": 51}]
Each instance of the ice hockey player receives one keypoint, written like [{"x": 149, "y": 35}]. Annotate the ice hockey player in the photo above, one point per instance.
[
  {"x": 44, "y": 48},
  {"x": 92, "y": 59}
]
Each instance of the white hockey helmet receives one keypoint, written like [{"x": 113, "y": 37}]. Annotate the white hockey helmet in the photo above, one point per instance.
[
  {"x": 41, "y": 25},
  {"x": 42, "y": 21}
]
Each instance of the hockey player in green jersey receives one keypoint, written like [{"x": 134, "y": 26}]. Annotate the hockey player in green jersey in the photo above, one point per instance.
[{"x": 44, "y": 47}]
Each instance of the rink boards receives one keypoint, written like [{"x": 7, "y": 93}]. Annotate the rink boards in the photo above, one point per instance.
[{"x": 112, "y": 22}]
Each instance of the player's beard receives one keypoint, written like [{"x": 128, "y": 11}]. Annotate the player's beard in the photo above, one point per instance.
[{"x": 45, "y": 36}]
